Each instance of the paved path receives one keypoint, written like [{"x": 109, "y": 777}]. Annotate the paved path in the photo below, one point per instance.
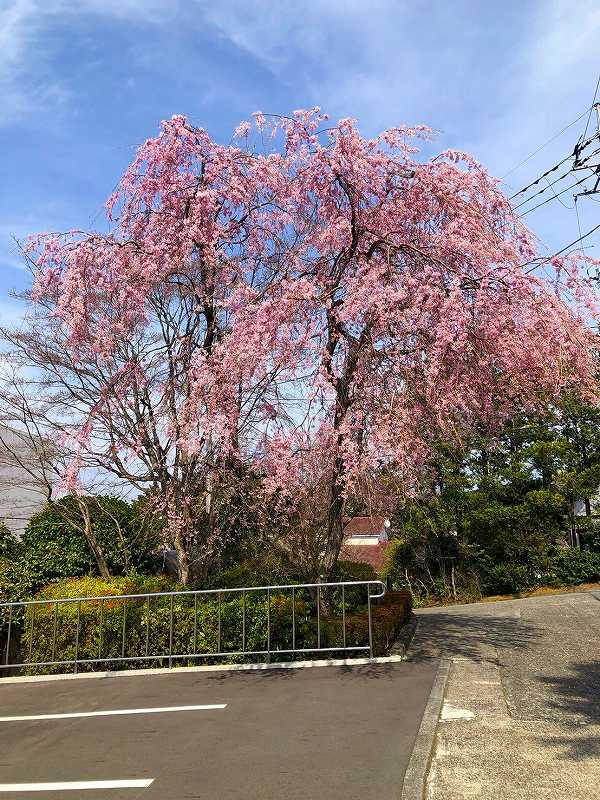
[
  {"x": 521, "y": 718},
  {"x": 341, "y": 733}
]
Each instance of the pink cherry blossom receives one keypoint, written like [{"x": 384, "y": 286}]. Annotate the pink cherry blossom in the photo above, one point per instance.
[{"x": 345, "y": 300}]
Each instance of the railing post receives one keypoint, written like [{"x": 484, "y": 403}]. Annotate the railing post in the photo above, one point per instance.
[
  {"x": 344, "y": 616},
  {"x": 195, "y": 646},
  {"x": 244, "y": 621},
  {"x": 54, "y": 631},
  {"x": 171, "y": 634},
  {"x": 147, "y": 625},
  {"x": 124, "y": 626},
  {"x": 293, "y": 618},
  {"x": 10, "y": 614},
  {"x": 370, "y": 625},
  {"x": 101, "y": 631},
  {"x": 318, "y": 617},
  {"x": 219, "y": 623},
  {"x": 31, "y": 634},
  {"x": 268, "y": 624},
  {"x": 77, "y": 636}
]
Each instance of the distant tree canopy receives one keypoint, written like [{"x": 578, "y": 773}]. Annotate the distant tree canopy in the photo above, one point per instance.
[
  {"x": 53, "y": 536},
  {"x": 507, "y": 499},
  {"x": 54, "y": 545}
]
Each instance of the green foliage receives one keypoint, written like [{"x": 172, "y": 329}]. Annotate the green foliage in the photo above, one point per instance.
[
  {"x": 10, "y": 581},
  {"x": 54, "y": 545},
  {"x": 269, "y": 570},
  {"x": 562, "y": 567},
  {"x": 571, "y": 566},
  {"x": 252, "y": 620},
  {"x": 507, "y": 579},
  {"x": 9, "y": 543},
  {"x": 491, "y": 513},
  {"x": 353, "y": 571}
]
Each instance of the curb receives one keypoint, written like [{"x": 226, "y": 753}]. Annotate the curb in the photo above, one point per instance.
[
  {"x": 132, "y": 673},
  {"x": 414, "y": 784}
]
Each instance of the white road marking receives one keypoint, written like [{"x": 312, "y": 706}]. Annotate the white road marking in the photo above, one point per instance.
[
  {"x": 113, "y": 712},
  {"x": 65, "y": 786}
]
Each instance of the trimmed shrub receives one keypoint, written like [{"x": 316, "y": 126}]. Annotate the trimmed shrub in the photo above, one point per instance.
[
  {"x": 116, "y": 628},
  {"x": 266, "y": 571},
  {"x": 572, "y": 566},
  {"x": 507, "y": 579},
  {"x": 354, "y": 571}
]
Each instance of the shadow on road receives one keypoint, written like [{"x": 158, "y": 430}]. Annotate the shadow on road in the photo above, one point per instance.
[
  {"x": 468, "y": 635},
  {"x": 363, "y": 671},
  {"x": 576, "y": 699}
]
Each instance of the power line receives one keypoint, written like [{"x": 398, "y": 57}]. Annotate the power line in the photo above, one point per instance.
[
  {"x": 580, "y": 165},
  {"x": 578, "y": 223},
  {"x": 564, "y": 205},
  {"x": 591, "y": 108},
  {"x": 559, "y": 252},
  {"x": 541, "y": 177},
  {"x": 549, "y": 199},
  {"x": 545, "y": 188},
  {"x": 541, "y": 147}
]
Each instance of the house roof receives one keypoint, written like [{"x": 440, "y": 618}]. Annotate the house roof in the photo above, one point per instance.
[
  {"x": 364, "y": 526},
  {"x": 366, "y": 554}
]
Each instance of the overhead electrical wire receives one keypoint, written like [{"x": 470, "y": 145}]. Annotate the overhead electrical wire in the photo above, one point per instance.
[
  {"x": 564, "y": 205},
  {"x": 541, "y": 147},
  {"x": 541, "y": 177},
  {"x": 578, "y": 223},
  {"x": 556, "y": 166},
  {"x": 539, "y": 263},
  {"x": 591, "y": 107},
  {"x": 578, "y": 164},
  {"x": 544, "y": 189},
  {"x": 549, "y": 199}
]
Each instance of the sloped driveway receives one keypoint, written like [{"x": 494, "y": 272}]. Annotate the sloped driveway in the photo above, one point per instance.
[{"x": 521, "y": 718}]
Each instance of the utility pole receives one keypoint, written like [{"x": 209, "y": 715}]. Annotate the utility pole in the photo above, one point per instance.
[{"x": 584, "y": 163}]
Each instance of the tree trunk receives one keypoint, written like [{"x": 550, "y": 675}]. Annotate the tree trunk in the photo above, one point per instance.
[
  {"x": 94, "y": 545},
  {"x": 183, "y": 566},
  {"x": 335, "y": 525}
]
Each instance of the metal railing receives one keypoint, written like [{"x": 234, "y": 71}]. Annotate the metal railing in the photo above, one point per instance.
[{"x": 180, "y": 627}]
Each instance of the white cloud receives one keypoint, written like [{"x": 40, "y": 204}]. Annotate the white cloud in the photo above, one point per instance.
[
  {"x": 496, "y": 81},
  {"x": 24, "y": 86}
]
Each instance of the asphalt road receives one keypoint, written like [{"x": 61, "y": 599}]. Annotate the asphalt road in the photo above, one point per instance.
[
  {"x": 294, "y": 734},
  {"x": 521, "y": 714}
]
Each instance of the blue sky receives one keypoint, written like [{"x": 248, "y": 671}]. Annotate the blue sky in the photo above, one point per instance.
[{"x": 82, "y": 82}]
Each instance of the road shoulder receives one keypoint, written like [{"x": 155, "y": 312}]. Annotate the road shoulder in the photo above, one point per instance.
[{"x": 520, "y": 718}]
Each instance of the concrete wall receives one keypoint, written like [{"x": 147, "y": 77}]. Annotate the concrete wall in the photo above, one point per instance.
[{"x": 21, "y": 494}]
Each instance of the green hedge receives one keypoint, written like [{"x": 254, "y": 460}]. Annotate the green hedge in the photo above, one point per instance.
[
  {"x": 565, "y": 567},
  {"x": 571, "y": 566},
  {"x": 386, "y": 621},
  {"x": 195, "y": 624}
]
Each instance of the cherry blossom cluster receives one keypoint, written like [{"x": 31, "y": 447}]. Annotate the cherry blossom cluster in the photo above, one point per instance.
[{"x": 347, "y": 301}]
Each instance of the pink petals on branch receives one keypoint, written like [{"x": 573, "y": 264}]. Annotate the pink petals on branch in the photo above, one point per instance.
[{"x": 345, "y": 301}]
